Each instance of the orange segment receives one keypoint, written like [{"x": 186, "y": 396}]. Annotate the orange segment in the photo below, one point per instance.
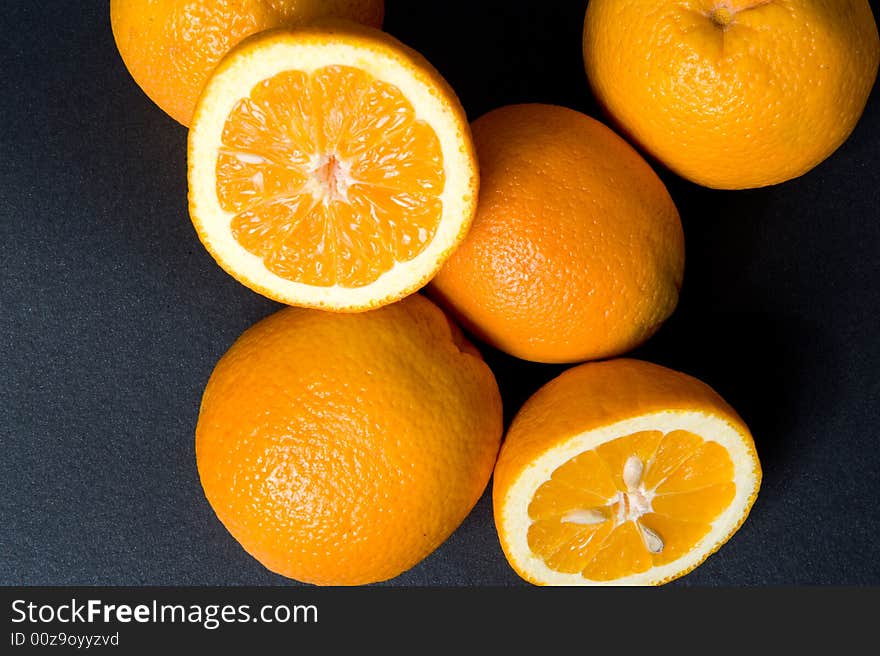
[
  {"x": 710, "y": 465},
  {"x": 555, "y": 499},
  {"x": 263, "y": 127},
  {"x": 407, "y": 159},
  {"x": 702, "y": 505},
  {"x": 623, "y": 553},
  {"x": 547, "y": 536},
  {"x": 675, "y": 448},
  {"x": 250, "y": 179},
  {"x": 350, "y": 147},
  {"x": 336, "y": 93},
  {"x": 577, "y": 553},
  {"x": 381, "y": 110},
  {"x": 277, "y": 223},
  {"x": 359, "y": 255},
  {"x": 679, "y": 537},
  {"x": 616, "y": 452},
  {"x": 406, "y": 219},
  {"x": 586, "y": 472}
]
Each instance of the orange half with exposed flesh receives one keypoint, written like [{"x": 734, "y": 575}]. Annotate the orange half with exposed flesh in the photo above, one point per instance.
[
  {"x": 330, "y": 167},
  {"x": 623, "y": 473}
]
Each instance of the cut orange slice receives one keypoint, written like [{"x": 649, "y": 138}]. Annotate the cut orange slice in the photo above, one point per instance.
[
  {"x": 330, "y": 167},
  {"x": 624, "y": 473}
]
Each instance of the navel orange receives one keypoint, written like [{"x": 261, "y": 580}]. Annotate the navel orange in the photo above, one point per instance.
[
  {"x": 170, "y": 47},
  {"x": 733, "y": 93},
  {"x": 621, "y": 472},
  {"x": 344, "y": 448},
  {"x": 330, "y": 167},
  {"x": 576, "y": 251}
]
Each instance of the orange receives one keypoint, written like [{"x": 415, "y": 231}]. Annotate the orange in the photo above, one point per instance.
[
  {"x": 170, "y": 47},
  {"x": 733, "y": 94},
  {"x": 330, "y": 167},
  {"x": 621, "y": 472},
  {"x": 576, "y": 251},
  {"x": 344, "y": 448}
]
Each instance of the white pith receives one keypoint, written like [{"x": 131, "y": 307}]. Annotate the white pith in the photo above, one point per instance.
[
  {"x": 630, "y": 505},
  {"x": 429, "y": 104},
  {"x": 625, "y": 506},
  {"x": 329, "y": 178}
]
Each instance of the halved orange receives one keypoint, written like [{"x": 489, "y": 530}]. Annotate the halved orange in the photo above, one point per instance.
[
  {"x": 330, "y": 167},
  {"x": 621, "y": 472}
]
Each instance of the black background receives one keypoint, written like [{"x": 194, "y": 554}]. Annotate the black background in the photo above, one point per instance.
[{"x": 113, "y": 317}]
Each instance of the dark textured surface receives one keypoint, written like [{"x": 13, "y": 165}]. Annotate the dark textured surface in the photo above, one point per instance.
[{"x": 113, "y": 316}]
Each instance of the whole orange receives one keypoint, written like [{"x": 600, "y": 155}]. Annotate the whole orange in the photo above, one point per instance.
[
  {"x": 342, "y": 449},
  {"x": 170, "y": 47},
  {"x": 733, "y": 94},
  {"x": 576, "y": 251}
]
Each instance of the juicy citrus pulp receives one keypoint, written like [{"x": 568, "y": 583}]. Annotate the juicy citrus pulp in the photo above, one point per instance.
[
  {"x": 330, "y": 168},
  {"x": 630, "y": 504},
  {"x": 637, "y": 500},
  {"x": 335, "y": 160}
]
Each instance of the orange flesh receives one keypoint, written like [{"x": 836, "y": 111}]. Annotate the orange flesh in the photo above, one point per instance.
[
  {"x": 586, "y": 519},
  {"x": 331, "y": 178}
]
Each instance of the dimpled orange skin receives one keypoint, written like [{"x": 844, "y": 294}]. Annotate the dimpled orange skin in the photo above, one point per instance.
[
  {"x": 598, "y": 394},
  {"x": 342, "y": 449},
  {"x": 576, "y": 251},
  {"x": 733, "y": 94},
  {"x": 170, "y": 47}
]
